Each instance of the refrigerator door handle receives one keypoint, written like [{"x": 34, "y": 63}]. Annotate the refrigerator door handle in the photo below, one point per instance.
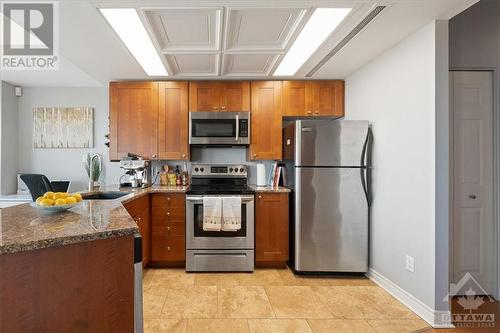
[{"x": 365, "y": 171}]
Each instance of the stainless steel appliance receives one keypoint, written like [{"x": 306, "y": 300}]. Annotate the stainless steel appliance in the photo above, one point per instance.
[
  {"x": 219, "y": 251},
  {"x": 219, "y": 128},
  {"x": 328, "y": 164},
  {"x": 137, "y": 172},
  {"x": 138, "y": 310}
]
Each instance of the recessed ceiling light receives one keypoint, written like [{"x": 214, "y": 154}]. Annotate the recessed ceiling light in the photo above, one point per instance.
[
  {"x": 129, "y": 27},
  {"x": 320, "y": 25}
]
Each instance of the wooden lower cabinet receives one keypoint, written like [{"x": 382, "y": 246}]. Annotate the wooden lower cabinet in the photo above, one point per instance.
[
  {"x": 139, "y": 209},
  {"x": 271, "y": 229},
  {"x": 168, "y": 229}
]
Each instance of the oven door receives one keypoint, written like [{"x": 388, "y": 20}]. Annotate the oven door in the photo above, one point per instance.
[
  {"x": 219, "y": 128},
  {"x": 197, "y": 238}
]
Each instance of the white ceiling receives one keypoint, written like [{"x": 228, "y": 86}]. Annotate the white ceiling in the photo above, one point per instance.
[{"x": 231, "y": 39}]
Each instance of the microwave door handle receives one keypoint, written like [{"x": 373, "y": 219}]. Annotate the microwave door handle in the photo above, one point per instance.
[{"x": 237, "y": 127}]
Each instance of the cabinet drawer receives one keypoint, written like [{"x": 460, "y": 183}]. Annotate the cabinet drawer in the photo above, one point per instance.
[
  {"x": 169, "y": 200},
  {"x": 168, "y": 214},
  {"x": 166, "y": 247}
]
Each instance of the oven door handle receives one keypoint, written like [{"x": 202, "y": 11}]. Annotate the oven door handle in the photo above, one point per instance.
[
  {"x": 237, "y": 127},
  {"x": 244, "y": 199}
]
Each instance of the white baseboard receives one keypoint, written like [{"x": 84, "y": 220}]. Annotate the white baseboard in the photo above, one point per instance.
[{"x": 434, "y": 318}]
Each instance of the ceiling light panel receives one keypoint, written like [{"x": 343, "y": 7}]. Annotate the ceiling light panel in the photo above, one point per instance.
[
  {"x": 317, "y": 29},
  {"x": 128, "y": 26}
]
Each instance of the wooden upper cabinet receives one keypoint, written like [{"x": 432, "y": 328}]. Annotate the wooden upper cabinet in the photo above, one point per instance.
[
  {"x": 313, "y": 98},
  {"x": 133, "y": 119},
  {"x": 219, "y": 96},
  {"x": 204, "y": 96},
  {"x": 271, "y": 228},
  {"x": 266, "y": 121},
  {"x": 294, "y": 98},
  {"x": 328, "y": 98},
  {"x": 235, "y": 96},
  {"x": 173, "y": 117}
]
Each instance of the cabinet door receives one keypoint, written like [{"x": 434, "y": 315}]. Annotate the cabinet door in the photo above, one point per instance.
[
  {"x": 204, "y": 96},
  {"x": 173, "y": 117},
  {"x": 297, "y": 98},
  {"x": 139, "y": 211},
  {"x": 133, "y": 119},
  {"x": 328, "y": 98},
  {"x": 266, "y": 121},
  {"x": 271, "y": 227},
  {"x": 235, "y": 96}
]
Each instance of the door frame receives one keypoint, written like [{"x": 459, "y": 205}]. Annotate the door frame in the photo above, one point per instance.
[{"x": 496, "y": 172}]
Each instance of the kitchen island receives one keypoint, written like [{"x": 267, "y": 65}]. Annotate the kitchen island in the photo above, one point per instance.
[{"x": 70, "y": 271}]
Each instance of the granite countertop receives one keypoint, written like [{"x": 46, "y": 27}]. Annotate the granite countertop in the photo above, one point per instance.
[
  {"x": 24, "y": 228},
  {"x": 268, "y": 188}
]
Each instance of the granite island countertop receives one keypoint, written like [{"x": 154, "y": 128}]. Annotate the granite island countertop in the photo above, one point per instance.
[{"x": 25, "y": 228}]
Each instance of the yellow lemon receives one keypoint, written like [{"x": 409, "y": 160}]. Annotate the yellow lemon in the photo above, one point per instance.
[
  {"x": 77, "y": 196},
  {"x": 60, "y": 202},
  {"x": 39, "y": 199},
  {"x": 70, "y": 200},
  {"x": 47, "y": 202},
  {"x": 48, "y": 195},
  {"x": 60, "y": 195}
]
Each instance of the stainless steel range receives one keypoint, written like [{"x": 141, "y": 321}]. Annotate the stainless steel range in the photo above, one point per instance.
[{"x": 220, "y": 250}]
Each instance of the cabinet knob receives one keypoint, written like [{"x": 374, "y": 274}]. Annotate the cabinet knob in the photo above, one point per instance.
[
  {"x": 309, "y": 112},
  {"x": 214, "y": 108},
  {"x": 223, "y": 107},
  {"x": 168, "y": 228},
  {"x": 168, "y": 198},
  {"x": 254, "y": 155},
  {"x": 168, "y": 248},
  {"x": 316, "y": 112},
  {"x": 183, "y": 155},
  {"x": 153, "y": 155},
  {"x": 168, "y": 213},
  {"x": 260, "y": 196}
]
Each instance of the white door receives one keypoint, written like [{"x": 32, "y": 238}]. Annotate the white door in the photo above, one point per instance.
[{"x": 473, "y": 227}]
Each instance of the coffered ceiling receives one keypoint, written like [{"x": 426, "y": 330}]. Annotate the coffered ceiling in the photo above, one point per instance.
[{"x": 226, "y": 39}]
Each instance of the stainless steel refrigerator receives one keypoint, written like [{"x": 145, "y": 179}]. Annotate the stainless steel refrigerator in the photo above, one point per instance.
[{"x": 328, "y": 168}]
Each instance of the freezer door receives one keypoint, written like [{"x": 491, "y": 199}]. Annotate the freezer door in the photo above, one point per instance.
[
  {"x": 331, "y": 142},
  {"x": 331, "y": 220}
]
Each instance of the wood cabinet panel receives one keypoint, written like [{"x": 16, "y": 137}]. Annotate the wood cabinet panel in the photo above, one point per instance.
[
  {"x": 328, "y": 98},
  {"x": 266, "y": 119},
  {"x": 219, "y": 96},
  {"x": 313, "y": 98},
  {"x": 173, "y": 117},
  {"x": 204, "y": 96},
  {"x": 133, "y": 119},
  {"x": 235, "y": 96},
  {"x": 167, "y": 247},
  {"x": 168, "y": 227},
  {"x": 139, "y": 210},
  {"x": 271, "y": 227}
]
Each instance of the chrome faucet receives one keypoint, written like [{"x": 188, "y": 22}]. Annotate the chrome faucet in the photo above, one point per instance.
[{"x": 94, "y": 184}]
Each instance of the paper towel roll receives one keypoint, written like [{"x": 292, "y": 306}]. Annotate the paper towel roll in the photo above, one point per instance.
[{"x": 261, "y": 174}]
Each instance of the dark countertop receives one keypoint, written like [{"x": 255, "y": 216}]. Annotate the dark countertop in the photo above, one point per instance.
[{"x": 25, "y": 228}]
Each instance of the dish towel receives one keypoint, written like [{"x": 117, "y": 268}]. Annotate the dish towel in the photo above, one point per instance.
[
  {"x": 212, "y": 213},
  {"x": 231, "y": 213}
]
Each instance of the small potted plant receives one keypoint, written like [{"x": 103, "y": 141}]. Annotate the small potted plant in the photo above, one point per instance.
[{"x": 93, "y": 166}]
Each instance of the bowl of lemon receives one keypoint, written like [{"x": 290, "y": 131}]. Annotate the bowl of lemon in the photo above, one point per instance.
[{"x": 57, "y": 201}]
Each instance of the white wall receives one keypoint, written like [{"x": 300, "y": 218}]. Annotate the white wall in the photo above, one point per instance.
[
  {"x": 66, "y": 163},
  {"x": 9, "y": 146},
  {"x": 396, "y": 93}
]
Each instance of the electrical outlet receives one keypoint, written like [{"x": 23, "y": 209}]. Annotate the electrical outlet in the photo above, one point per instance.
[{"x": 410, "y": 263}]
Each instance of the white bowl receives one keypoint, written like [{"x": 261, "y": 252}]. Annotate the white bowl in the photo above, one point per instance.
[{"x": 53, "y": 209}]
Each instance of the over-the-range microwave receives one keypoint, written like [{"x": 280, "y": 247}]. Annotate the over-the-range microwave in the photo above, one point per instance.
[{"x": 219, "y": 128}]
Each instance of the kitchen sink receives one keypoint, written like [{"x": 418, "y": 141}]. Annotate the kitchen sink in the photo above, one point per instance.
[{"x": 109, "y": 195}]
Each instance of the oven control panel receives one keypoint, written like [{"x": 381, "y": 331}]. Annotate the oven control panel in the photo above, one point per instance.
[{"x": 231, "y": 170}]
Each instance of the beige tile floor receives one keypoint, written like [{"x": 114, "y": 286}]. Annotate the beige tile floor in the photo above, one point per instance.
[{"x": 270, "y": 301}]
